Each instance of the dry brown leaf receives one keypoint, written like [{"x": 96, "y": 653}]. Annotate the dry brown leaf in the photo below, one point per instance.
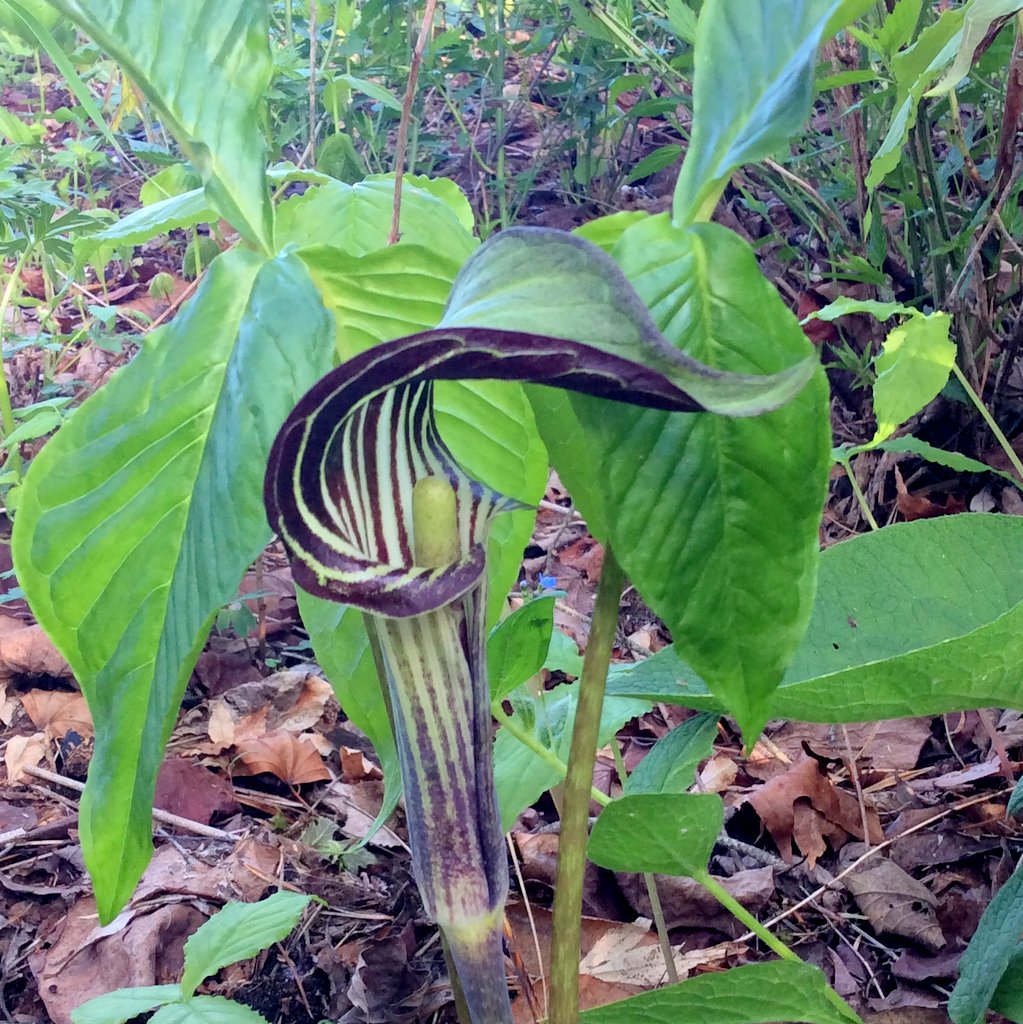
[
  {"x": 57, "y": 713},
  {"x": 291, "y": 758},
  {"x": 9, "y": 704},
  {"x": 188, "y": 790},
  {"x": 358, "y": 803},
  {"x": 717, "y": 774},
  {"x": 355, "y": 766},
  {"x": 24, "y": 752},
  {"x": 228, "y": 729},
  {"x": 28, "y": 651},
  {"x": 804, "y": 806},
  {"x": 894, "y": 902}
]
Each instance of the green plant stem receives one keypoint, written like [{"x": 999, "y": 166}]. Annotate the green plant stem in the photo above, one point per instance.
[
  {"x": 656, "y": 910},
  {"x": 865, "y": 508},
  {"x": 737, "y": 910},
  {"x": 1010, "y": 452},
  {"x": 6, "y": 409},
  {"x": 545, "y": 754},
  {"x": 568, "y": 884}
]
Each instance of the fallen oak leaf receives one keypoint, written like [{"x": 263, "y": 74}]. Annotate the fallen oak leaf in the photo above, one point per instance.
[
  {"x": 804, "y": 806},
  {"x": 293, "y": 759}
]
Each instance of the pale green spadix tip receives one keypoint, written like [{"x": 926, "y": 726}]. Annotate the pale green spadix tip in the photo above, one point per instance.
[{"x": 434, "y": 522}]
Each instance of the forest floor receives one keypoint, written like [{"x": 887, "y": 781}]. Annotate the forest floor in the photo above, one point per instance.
[{"x": 267, "y": 783}]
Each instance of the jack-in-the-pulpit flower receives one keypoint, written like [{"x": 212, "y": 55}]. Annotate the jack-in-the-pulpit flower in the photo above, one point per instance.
[{"x": 375, "y": 513}]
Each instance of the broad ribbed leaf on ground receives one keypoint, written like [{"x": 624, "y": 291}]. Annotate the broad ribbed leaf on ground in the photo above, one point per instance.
[
  {"x": 238, "y": 931},
  {"x": 663, "y": 833},
  {"x": 138, "y": 519},
  {"x": 697, "y": 500},
  {"x": 754, "y": 994},
  {"x": 207, "y": 1010},
  {"x": 205, "y": 68},
  {"x": 919, "y": 618},
  {"x": 739, "y": 118},
  {"x": 989, "y": 953}
]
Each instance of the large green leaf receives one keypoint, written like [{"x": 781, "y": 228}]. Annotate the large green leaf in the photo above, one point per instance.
[
  {"x": 752, "y": 86},
  {"x": 697, "y": 500},
  {"x": 980, "y": 16},
  {"x": 991, "y": 950},
  {"x": 125, "y": 1003},
  {"x": 138, "y": 519},
  {"x": 357, "y": 218},
  {"x": 919, "y": 618},
  {"x": 663, "y": 833},
  {"x": 754, "y": 994},
  {"x": 207, "y": 1010},
  {"x": 238, "y": 931},
  {"x": 205, "y": 68}
]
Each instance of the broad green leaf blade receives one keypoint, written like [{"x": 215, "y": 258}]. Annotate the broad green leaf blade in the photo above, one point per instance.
[
  {"x": 696, "y": 508},
  {"x": 342, "y": 649},
  {"x": 238, "y": 931},
  {"x": 912, "y": 368},
  {"x": 980, "y": 16},
  {"x": 373, "y": 90},
  {"x": 357, "y": 218},
  {"x": 670, "y": 766},
  {"x": 138, "y": 519},
  {"x": 205, "y": 68},
  {"x": 752, "y": 86},
  {"x": 1008, "y": 997},
  {"x": 919, "y": 618},
  {"x": 521, "y": 775},
  {"x": 989, "y": 953},
  {"x": 517, "y": 647},
  {"x": 663, "y": 833},
  {"x": 754, "y": 994},
  {"x": 183, "y": 211},
  {"x": 207, "y": 1010},
  {"x": 124, "y": 1004},
  {"x": 544, "y": 282}
]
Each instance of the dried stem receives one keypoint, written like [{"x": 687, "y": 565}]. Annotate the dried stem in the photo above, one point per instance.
[{"x": 401, "y": 144}]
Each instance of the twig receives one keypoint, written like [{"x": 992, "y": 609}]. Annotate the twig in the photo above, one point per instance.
[
  {"x": 164, "y": 817},
  {"x": 401, "y": 144}
]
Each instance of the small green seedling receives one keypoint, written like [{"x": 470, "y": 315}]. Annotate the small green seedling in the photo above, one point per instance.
[{"x": 237, "y": 932}]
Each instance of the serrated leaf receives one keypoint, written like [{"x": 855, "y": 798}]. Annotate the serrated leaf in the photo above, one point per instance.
[
  {"x": 989, "y": 953},
  {"x": 238, "y": 931},
  {"x": 980, "y": 16},
  {"x": 139, "y": 517},
  {"x": 742, "y": 118},
  {"x": 520, "y": 775},
  {"x": 910, "y": 445},
  {"x": 753, "y": 994},
  {"x": 124, "y": 1004},
  {"x": 692, "y": 512},
  {"x": 664, "y": 833},
  {"x": 517, "y": 647},
  {"x": 207, "y": 1010},
  {"x": 912, "y": 367},
  {"x": 204, "y": 67},
  {"x": 670, "y": 765},
  {"x": 918, "y": 618}
]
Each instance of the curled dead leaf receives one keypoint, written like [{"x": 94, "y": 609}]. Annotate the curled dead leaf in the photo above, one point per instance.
[
  {"x": 57, "y": 712},
  {"x": 24, "y": 752},
  {"x": 291, "y": 758}
]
